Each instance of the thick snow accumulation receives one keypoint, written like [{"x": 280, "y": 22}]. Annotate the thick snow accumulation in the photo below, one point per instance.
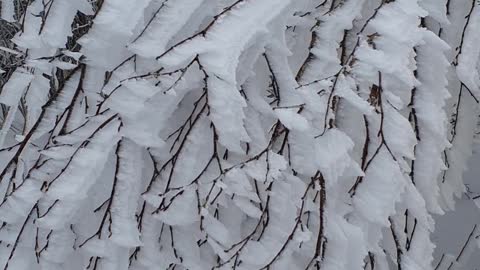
[{"x": 238, "y": 134}]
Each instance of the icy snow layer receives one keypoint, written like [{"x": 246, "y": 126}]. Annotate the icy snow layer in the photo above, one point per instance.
[{"x": 235, "y": 134}]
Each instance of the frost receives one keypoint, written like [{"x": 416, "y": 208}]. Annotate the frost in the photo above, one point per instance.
[
  {"x": 234, "y": 134},
  {"x": 470, "y": 53},
  {"x": 8, "y": 10}
]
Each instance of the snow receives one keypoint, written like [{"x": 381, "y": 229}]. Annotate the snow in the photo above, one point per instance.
[
  {"x": 169, "y": 18},
  {"x": 8, "y": 10},
  {"x": 127, "y": 190},
  {"x": 11, "y": 94},
  {"x": 57, "y": 28},
  {"x": 13, "y": 90},
  {"x": 470, "y": 54},
  {"x": 237, "y": 134}
]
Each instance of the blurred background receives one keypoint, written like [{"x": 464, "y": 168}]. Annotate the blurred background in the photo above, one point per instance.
[{"x": 453, "y": 228}]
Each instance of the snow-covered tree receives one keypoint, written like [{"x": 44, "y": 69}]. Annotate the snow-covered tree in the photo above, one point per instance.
[{"x": 222, "y": 134}]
